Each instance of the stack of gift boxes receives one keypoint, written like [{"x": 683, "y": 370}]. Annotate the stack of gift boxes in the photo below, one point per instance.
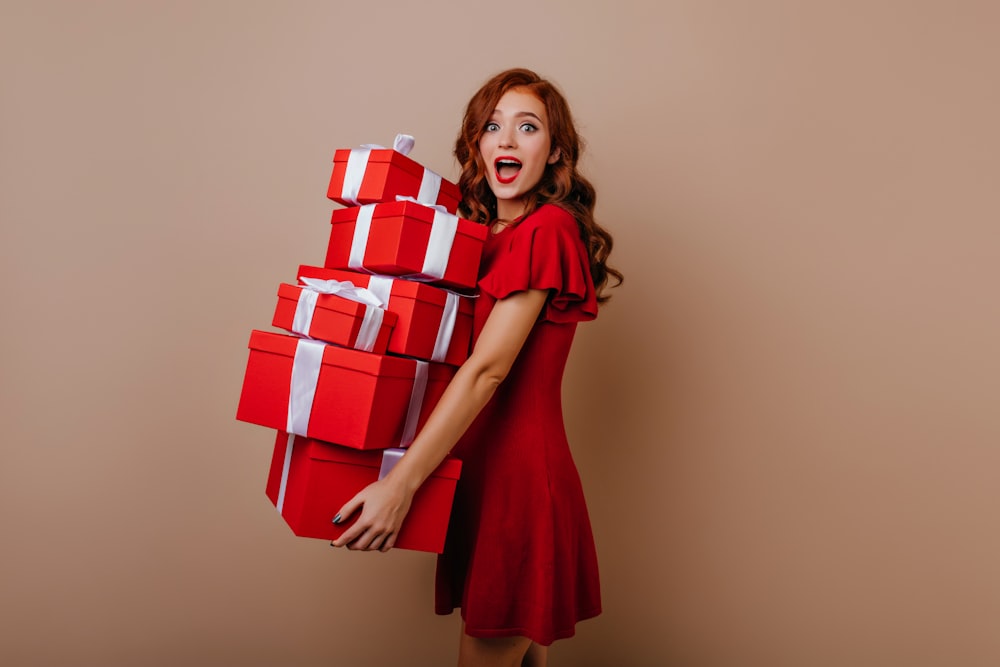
[{"x": 376, "y": 334}]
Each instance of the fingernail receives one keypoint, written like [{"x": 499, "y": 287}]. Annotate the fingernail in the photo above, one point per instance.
[
  {"x": 336, "y": 519},
  {"x": 332, "y": 544}
]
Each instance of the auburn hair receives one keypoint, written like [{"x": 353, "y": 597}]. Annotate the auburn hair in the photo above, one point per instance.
[{"x": 561, "y": 183}]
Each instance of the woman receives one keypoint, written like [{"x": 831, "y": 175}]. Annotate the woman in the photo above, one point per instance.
[{"x": 520, "y": 558}]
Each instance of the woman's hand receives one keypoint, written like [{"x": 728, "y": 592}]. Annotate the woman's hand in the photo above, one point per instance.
[{"x": 383, "y": 506}]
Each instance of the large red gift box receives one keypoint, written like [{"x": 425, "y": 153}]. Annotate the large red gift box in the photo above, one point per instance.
[
  {"x": 348, "y": 397},
  {"x": 372, "y": 175},
  {"x": 334, "y": 319},
  {"x": 425, "y": 313},
  {"x": 310, "y": 481},
  {"x": 407, "y": 240}
]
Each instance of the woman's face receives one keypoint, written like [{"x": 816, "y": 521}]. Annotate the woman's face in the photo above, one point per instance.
[{"x": 516, "y": 147}]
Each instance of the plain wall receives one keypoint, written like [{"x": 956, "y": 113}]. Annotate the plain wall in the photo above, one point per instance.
[{"x": 786, "y": 420}]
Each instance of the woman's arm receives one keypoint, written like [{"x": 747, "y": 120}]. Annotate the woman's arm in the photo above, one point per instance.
[{"x": 385, "y": 503}]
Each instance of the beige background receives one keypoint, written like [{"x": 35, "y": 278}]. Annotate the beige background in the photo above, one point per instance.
[{"x": 785, "y": 421}]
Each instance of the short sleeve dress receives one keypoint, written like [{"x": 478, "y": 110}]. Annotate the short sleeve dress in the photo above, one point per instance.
[{"x": 520, "y": 558}]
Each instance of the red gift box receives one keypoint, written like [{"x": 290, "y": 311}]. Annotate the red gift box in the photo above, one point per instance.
[
  {"x": 372, "y": 175},
  {"x": 407, "y": 240},
  {"x": 310, "y": 481},
  {"x": 426, "y": 314},
  {"x": 333, "y": 318},
  {"x": 351, "y": 398}
]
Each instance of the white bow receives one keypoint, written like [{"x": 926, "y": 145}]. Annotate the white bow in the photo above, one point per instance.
[
  {"x": 306, "y": 307},
  {"x": 403, "y": 143},
  {"x": 344, "y": 289}
]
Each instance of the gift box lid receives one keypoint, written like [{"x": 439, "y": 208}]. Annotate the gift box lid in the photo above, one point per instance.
[
  {"x": 450, "y": 467},
  {"x": 404, "y": 162},
  {"x": 368, "y": 363},
  {"x": 412, "y": 210},
  {"x": 334, "y": 302},
  {"x": 410, "y": 289}
]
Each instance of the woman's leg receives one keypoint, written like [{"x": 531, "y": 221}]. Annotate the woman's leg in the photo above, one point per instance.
[
  {"x": 536, "y": 656},
  {"x": 499, "y": 652}
]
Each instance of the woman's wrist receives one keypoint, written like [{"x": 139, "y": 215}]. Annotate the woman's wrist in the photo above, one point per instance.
[{"x": 404, "y": 478}]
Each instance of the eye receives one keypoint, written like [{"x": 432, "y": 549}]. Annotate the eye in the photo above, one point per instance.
[
  {"x": 528, "y": 127},
  {"x": 491, "y": 127}
]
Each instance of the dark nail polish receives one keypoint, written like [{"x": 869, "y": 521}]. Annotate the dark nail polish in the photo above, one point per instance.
[{"x": 336, "y": 519}]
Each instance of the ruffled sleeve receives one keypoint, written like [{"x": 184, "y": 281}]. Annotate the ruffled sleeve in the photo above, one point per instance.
[{"x": 544, "y": 251}]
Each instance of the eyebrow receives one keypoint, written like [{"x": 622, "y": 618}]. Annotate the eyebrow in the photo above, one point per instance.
[{"x": 519, "y": 114}]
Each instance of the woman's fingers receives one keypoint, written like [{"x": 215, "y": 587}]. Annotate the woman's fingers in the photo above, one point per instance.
[
  {"x": 389, "y": 542},
  {"x": 365, "y": 535},
  {"x": 350, "y": 536},
  {"x": 345, "y": 513},
  {"x": 349, "y": 508},
  {"x": 371, "y": 540}
]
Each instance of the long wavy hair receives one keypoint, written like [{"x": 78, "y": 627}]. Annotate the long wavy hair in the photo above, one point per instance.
[{"x": 561, "y": 183}]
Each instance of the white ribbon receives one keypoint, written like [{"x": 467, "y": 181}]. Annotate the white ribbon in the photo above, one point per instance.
[
  {"x": 446, "y": 328},
  {"x": 357, "y": 164},
  {"x": 414, "y": 200},
  {"x": 370, "y": 323},
  {"x": 444, "y": 226},
  {"x": 403, "y": 143},
  {"x": 305, "y": 374},
  {"x": 381, "y": 287},
  {"x": 280, "y": 502},
  {"x": 390, "y": 457},
  {"x": 443, "y": 230},
  {"x": 304, "y": 310},
  {"x": 430, "y": 187},
  {"x": 362, "y": 228},
  {"x": 416, "y": 401}
]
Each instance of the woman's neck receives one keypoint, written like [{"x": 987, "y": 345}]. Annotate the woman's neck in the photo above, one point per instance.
[{"x": 509, "y": 210}]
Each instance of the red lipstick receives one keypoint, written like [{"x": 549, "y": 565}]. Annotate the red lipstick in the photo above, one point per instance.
[{"x": 511, "y": 166}]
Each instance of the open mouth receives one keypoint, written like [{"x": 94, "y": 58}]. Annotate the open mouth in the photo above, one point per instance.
[{"x": 507, "y": 169}]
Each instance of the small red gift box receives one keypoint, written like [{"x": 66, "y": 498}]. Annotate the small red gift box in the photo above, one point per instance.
[
  {"x": 351, "y": 398},
  {"x": 407, "y": 240},
  {"x": 334, "y": 317},
  {"x": 376, "y": 174},
  {"x": 433, "y": 324},
  {"x": 310, "y": 481}
]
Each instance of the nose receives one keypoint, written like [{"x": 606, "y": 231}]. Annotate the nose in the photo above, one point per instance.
[{"x": 507, "y": 137}]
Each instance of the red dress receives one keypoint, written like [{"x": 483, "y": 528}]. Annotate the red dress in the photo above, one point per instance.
[{"x": 520, "y": 557}]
